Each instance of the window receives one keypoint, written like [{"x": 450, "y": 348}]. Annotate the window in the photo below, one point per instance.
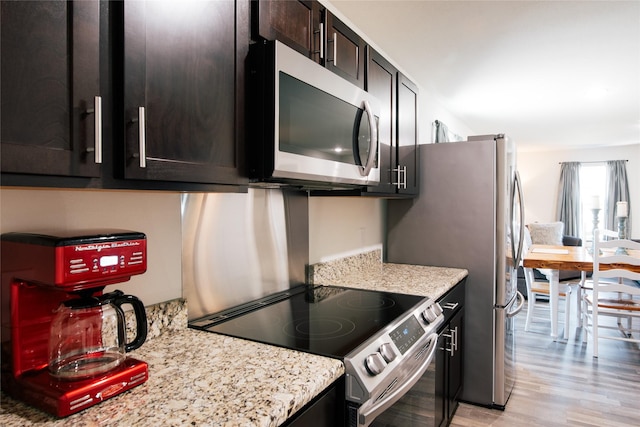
[{"x": 592, "y": 185}]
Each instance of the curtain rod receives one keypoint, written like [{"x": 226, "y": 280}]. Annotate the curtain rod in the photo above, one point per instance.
[{"x": 597, "y": 161}]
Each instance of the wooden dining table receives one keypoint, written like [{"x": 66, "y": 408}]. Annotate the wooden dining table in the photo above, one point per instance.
[{"x": 556, "y": 258}]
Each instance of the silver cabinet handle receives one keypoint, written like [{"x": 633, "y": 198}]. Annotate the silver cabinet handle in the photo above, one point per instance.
[
  {"x": 335, "y": 49},
  {"x": 449, "y": 349},
  {"x": 97, "y": 139},
  {"x": 453, "y": 341},
  {"x": 401, "y": 177},
  {"x": 373, "y": 142},
  {"x": 321, "y": 41},
  {"x": 97, "y": 129},
  {"x": 451, "y": 305},
  {"x": 142, "y": 137},
  {"x": 454, "y": 332},
  {"x": 321, "y": 33}
]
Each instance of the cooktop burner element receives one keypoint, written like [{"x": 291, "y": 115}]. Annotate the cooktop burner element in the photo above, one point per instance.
[
  {"x": 325, "y": 320},
  {"x": 367, "y": 301},
  {"x": 319, "y": 329}
]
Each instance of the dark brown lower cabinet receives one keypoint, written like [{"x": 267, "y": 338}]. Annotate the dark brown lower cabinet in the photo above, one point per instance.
[
  {"x": 449, "y": 358},
  {"x": 326, "y": 410}
]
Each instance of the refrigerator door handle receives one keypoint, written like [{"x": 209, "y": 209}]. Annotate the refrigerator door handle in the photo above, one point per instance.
[
  {"x": 521, "y": 200},
  {"x": 518, "y": 308},
  {"x": 517, "y": 189}
]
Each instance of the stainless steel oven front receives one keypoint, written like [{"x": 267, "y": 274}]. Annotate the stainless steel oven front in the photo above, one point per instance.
[
  {"x": 306, "y": 124},
  {"x": 387, "y": 342},
  {"x": 391, "y": 378}
]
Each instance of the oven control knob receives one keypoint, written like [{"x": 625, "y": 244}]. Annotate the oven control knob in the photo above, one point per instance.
[
  {"x": 388, "y": 353},
  {"x": 429, "y": 315},
  {"x": 437, "y": 308},
  {"x": 375, "y": 363}
]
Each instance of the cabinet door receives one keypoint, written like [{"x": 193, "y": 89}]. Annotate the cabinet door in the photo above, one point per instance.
[
  {"x": 408, "y": 135},
  {"x": 179, "y": 74},
  {"x": 50, "y": 81},
  {"x": 442, "y": 365},
  {"x": 454, "y": 385},
  {"x": 344, "y": 50},
  {"x": 381, "y": 83},
  {"x": 295, "y": 23}
]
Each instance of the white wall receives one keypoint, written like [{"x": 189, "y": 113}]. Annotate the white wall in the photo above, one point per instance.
[
  {"x": 540, "y": 173},
  {"x": 157, "y": 214}
]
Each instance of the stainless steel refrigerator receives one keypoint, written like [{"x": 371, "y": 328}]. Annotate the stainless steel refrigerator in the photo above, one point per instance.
[{"x": 469, "y": 215}]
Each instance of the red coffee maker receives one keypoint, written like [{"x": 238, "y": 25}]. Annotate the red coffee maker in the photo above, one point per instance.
[{"x": 63, "y": 339}]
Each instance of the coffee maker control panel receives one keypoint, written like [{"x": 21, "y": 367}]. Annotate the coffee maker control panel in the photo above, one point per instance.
[
  {"x": 77, "y": 261},
  {"x": 101, "y": 260}
]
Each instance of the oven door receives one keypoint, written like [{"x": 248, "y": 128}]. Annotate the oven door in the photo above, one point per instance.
[
  {"x": 413, "y": 402},
  {"x": 421, "y": 406}
]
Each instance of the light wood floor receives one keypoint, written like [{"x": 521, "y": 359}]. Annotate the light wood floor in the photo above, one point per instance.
[{"x": 561, "y": 384}]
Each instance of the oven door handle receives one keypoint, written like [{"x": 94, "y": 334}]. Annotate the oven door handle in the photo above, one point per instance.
[{"x": 371, "y": 409}]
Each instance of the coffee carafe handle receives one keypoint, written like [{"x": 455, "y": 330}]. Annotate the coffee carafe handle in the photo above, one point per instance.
[{"x": 141, "y": 319}]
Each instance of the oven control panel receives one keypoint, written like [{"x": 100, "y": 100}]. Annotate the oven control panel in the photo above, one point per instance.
[{"x": 379, "y": 365}]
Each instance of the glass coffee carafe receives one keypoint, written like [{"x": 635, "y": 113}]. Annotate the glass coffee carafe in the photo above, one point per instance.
[{"x": 88, "y": 335}]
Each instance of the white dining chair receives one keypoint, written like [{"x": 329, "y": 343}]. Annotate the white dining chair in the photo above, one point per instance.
[
  {"x": 537, "y": 288},
  {"x": 618, "y": 298},
  {"x": 587, "y": 284}
]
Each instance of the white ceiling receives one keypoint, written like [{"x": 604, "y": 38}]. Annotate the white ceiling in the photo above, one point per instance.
[{"x": 551, "y": 74}]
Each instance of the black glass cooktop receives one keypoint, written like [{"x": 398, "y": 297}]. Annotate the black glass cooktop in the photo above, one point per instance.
[{"x": 326, "y": 320}]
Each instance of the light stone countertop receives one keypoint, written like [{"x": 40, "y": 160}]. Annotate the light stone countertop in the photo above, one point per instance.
[
  {"x": 366, "y": 271},
  {"x": 205, "y": 379},
  {"x": 202, "y": 379}
]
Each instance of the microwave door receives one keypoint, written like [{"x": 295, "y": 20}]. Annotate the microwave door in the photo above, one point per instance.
[{"x": 312, "y": 125}]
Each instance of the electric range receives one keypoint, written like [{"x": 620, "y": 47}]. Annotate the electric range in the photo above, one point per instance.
[{"x": 386, "y": 340}]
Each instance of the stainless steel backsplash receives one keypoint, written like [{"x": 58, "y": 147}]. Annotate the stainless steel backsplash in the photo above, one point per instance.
[{"x": 240, "y": 247}]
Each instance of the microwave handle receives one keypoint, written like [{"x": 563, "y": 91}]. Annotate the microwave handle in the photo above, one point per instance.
[{"x": 373, "y": 142}]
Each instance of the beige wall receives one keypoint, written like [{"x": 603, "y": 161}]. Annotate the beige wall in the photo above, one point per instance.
[
  {"x": 342, "y": 226},
  {"x": 156, "y": 214},
  {"x": 338, "y": 226},
  {"x": 540, "y": 173}
]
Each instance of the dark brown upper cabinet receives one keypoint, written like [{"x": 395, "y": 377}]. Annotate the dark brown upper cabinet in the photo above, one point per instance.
[
  {"x": 397, "y": 128},
  {"x": 50, "y": 88},
  {"x": 407, "y": 136},
  {"x": 182, "y": 91},
  {"x": 344, "y": 50},
  {"x": 314, "y": 31},
  {"x": 381, "y": 83},
  {"x": 295, "y": 23}
]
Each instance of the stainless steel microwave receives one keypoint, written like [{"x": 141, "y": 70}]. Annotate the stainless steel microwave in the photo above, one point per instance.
[{"x": 307, "y": 125}]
